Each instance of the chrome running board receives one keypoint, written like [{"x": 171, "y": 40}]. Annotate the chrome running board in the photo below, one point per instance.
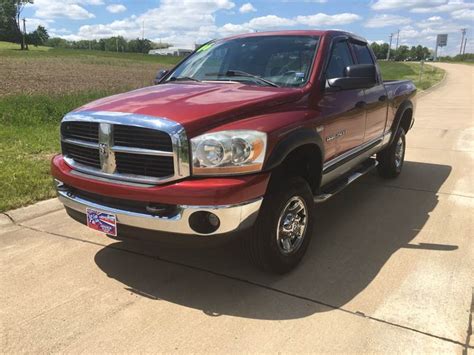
[{"x": 337, "y": 186}]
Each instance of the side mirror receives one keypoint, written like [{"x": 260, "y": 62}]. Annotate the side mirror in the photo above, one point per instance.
[
  {"x": 159, "y": 76},
  {"x": 360, "y": 76}
]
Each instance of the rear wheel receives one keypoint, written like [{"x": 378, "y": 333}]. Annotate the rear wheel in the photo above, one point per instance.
[
  {"x": 391, "y": 159},
  {"x": 284, "y": 227}
]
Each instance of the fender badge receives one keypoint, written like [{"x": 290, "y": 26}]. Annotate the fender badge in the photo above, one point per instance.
[{"x": 335, "y": 136}]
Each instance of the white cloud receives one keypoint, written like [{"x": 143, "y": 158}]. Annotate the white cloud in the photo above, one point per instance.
[
  {"x": 387, "y": 20},
  {"x": 379, "y": 41},
  {"x": 328, "y": 20},
  {"x": 399, "y": 4},
  {"x": 185, "y": 22},
  {"x": 246, "y": 8},
  {"x": 33, "y": 23},
  {"x": 116, "y": 8},
  {"x": 71, "y": 9},
  {"x": 447, "y": 6},
  {"x": 181, "y": 22},
  {"x": 269, "y": 21},
  {"x": 465, "y": 14}
]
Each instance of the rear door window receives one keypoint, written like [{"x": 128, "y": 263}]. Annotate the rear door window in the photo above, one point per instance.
[{"x": 363, "y": 54}]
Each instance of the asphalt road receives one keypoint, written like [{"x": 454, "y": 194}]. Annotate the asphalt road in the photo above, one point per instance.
[{"x": 391, "y": 268}]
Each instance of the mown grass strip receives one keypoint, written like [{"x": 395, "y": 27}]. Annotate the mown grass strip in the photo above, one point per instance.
[{"x": 29, "y": 137}]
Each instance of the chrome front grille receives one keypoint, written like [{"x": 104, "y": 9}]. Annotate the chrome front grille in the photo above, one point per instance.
[
  {"x": 84, "y": 131},
  {"x": 139, "y": 137},
  {"x": 127, "y": 147}
]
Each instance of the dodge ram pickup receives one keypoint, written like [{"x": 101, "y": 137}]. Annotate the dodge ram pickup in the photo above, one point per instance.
[{"x": 245, "y": 134}]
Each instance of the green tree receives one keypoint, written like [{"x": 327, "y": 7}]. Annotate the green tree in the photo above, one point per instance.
[
  {"x": 10, "y": 26},
  {"x": 57, "y": 42},
  {"x": 402, "y": 53},
  {"x": 380, "y": 50},
  {"x": 140, "y": 45},
  {"x": 38, "y": 37}
]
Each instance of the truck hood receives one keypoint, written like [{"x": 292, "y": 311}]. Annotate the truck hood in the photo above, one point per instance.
[{"x": 197, "y": 106}]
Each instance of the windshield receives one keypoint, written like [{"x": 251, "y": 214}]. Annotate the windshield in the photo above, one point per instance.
[{"x": 284, "y": 61}]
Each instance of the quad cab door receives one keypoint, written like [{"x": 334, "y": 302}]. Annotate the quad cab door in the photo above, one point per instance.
[
  {"x": 343, "y": 110},
  {"x": 376, "y": 100}
]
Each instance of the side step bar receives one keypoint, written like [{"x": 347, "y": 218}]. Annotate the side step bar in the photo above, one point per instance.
[{"x": 337, "y": 186}]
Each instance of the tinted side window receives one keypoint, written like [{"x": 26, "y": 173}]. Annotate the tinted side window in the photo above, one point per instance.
[
  {"x": 363, "y": 54},
  {"x": 340, "y": 59}
]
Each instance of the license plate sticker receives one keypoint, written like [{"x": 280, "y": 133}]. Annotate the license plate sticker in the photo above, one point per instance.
[{"x": 102, "y": 222}]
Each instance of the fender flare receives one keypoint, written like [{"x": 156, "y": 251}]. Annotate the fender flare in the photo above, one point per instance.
[
  {"x": 293, "y": 140},
  {"x": 407, "y": 104}
]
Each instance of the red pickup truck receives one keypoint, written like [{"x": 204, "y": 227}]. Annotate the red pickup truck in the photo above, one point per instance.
[{"x": 245, "y": 134}]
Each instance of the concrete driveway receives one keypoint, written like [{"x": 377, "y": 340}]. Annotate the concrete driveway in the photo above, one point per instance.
[{"x": 391, "y": 268}]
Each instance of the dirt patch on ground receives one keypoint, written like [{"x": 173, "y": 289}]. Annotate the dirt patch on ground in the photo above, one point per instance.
[{"x": 66, "y": 75}]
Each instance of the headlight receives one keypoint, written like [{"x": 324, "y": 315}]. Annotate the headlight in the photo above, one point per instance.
[{"x": 228, "y": 152}]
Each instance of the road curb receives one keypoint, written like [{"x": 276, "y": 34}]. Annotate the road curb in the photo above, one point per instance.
[{"x": 33, "y": 211}]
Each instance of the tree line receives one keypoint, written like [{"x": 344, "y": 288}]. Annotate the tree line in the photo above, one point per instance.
[
  {"x": 115, "y": 44},
  {"x": 402, "y": 53}
]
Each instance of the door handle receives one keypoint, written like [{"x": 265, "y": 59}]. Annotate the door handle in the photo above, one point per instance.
[
  {"x": 361, "y": 104},
  {"x": 383, "y": 98}
]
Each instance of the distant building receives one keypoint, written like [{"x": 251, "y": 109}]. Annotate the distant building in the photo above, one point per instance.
[{"x": 172, "y": 51}]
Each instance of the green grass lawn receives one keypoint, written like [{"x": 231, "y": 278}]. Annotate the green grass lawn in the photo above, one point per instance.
[
  {"x": 29, "y": 124},
  {"x": 29, "y": 137},
  {"x": 8, "y": 46},
  {"x": 411, "y": 71}
]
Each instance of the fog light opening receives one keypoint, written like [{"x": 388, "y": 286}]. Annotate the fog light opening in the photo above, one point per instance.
[{"x": 204, "y": 222}]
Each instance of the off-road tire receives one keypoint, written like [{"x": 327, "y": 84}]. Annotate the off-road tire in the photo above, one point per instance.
[
  {"x": 261, "y": 244},
  {"x": 390, "y": 166}
]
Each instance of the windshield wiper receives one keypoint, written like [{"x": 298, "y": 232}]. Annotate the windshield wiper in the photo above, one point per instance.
[
  {"x": 183, "y": 78},
  {"x": 231, "y": 73}
]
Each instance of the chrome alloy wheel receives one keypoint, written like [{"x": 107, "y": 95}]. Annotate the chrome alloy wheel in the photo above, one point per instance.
[
  {"x": 399, "y": 152},
  {"x": 292, "y": 225}
]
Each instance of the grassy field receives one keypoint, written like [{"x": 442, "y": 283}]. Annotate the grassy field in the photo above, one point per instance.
[
  {"x": 411, "y": 71},
  {"x": 13, "y": 46},
  {"x": 39, "y": 86}
]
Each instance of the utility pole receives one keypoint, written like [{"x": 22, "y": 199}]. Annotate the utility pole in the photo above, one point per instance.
[
  {"x": 398, "y": 38},
  {"x": 464, "y": 48},
  {"x": 143, "y": 30},
  {"x": 25, "y": 44},
  {"x": 463, "y": 33},
  {"x": 116, "y": 43},
  {"x": 389, "y": 46}
]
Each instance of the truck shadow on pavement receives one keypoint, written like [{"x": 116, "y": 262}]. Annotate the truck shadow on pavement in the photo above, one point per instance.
[{"x": 356, "y": 234}]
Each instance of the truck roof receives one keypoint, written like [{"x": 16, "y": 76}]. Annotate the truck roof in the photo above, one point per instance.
[{"x": 321, "y": 33}]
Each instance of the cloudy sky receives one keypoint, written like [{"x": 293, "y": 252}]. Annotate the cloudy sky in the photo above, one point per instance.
[{"x": 185, "y": 22}]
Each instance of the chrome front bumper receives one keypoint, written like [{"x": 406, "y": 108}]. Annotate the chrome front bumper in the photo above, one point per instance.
[{"x": 231, "y": 217}]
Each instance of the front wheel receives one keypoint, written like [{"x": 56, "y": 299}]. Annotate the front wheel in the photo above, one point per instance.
[
  {"x": 391, "y": 159},
  {"x": 284, "y": 227}
]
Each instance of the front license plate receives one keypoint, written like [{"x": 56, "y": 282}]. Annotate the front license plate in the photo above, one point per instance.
[{"x": 102, "y": 222}]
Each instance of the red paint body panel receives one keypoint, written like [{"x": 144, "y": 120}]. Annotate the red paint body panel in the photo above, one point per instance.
[
  {"x": 205, "y": 107},
  {"x": 196, "y": 106},
  {"x": 202, "y": 192}
]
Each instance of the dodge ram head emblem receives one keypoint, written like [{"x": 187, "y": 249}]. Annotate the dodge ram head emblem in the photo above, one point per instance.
[{"x": 104, "y": 150}]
